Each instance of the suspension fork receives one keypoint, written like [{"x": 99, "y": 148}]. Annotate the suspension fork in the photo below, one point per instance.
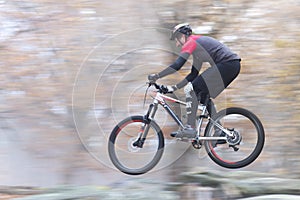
[{"x": 145, "y": 127}]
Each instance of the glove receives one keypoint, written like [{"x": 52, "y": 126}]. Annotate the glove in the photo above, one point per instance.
[
  {"x": 168, "y": 88},
  {"x": 153, "y": 77}
]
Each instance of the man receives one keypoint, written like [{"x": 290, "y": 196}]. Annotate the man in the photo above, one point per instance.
[{"x": 225, "y": 66}]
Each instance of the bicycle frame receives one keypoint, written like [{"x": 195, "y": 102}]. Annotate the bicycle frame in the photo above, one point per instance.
[{"x": 160, "y": 99}]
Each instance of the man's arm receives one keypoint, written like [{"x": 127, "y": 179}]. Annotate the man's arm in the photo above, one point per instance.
[
  {"x": 175, "y": 66},
  {"x": 190, "y": 77}
]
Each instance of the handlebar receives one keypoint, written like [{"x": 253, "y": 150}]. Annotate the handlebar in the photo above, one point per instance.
[{"x": 161, "y": 88}]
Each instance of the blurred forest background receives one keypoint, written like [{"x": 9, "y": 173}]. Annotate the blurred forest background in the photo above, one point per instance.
[{"x": 69, "y": 70}]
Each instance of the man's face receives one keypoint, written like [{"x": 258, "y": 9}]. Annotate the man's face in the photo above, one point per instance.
[{"x": 180, "y": 40}]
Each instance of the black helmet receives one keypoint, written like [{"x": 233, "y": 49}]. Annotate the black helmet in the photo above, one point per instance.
[{"x": 181, "y": 28}]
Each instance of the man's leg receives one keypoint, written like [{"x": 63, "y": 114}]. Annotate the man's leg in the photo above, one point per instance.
[
  {"x": 191, "y": 108},
  {"x": 211, "y": 108},
  {"x": 192, "y": 104},
  {"x": 202, "y": 91}
]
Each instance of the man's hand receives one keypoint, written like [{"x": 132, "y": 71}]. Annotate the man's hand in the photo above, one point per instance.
[
  {"x": 153, "y": 78},
  {"x": 168, "y": 88}
]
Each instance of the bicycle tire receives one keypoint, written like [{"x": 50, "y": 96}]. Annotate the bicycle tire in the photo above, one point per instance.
[
  {"x": 112, "y": 146},
  {"x": 259, "y": 137}
]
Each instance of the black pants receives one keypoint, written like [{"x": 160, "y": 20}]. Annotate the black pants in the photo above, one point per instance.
[
  {"x": 211, "y": 83},
  {"x": 215, "y": 79}
]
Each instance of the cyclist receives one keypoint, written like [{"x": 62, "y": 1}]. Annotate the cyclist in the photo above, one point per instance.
[{"x": 224, "y": 68}]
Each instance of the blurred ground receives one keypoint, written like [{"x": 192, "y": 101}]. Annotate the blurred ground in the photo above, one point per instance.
[{"x": 70, "y": 70}]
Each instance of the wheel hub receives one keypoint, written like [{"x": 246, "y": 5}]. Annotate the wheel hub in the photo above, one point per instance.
[
  {"x": 133, "y": 145},
  {"x": 235, "y": 139}
]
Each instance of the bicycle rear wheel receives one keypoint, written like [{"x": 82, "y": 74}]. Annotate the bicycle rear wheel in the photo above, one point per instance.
[
  {"x": 246, "y": 144},
  {"x": 128, "y": 157}
]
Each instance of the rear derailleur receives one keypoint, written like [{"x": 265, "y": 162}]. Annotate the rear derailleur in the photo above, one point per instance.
[{"x": 234, "y": 140}]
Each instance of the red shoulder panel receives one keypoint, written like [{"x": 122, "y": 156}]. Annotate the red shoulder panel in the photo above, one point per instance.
[{"x": 190, "y": 45}]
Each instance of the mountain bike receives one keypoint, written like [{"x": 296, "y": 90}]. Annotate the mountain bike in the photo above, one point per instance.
[{"x": 141, "y": 138}]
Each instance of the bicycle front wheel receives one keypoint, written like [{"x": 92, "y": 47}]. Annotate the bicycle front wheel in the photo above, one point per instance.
[
  {"x": 245, "y": 144},
  {"x": 124, "y": 152}
]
